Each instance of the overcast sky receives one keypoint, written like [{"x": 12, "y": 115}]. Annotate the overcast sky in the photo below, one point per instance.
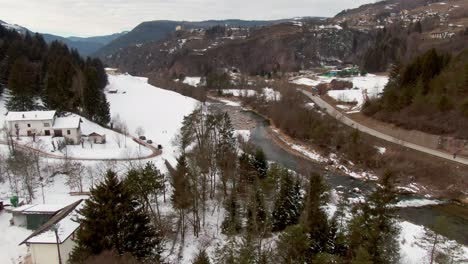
[{"x": 100, "y": 17}]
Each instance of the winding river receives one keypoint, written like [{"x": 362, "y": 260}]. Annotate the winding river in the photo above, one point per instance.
[{"x": 456, "y": 215}]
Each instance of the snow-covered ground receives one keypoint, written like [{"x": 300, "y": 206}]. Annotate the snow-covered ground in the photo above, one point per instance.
[
  {"x": 159, "y": 112},
  {"x": 371, "y": 84},
  {"x": 192, "y": 81},
  {"x": 268, "y": 93}
]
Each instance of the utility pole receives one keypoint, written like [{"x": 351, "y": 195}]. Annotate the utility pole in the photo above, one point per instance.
[{"x": 55, "y": 229}]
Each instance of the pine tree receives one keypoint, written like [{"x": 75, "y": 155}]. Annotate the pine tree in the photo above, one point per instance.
[
  {"x": 314, "y": 217},
  {"x": 288, "y": 205},
  {"x": 202, "y": 258},
  {"x": 112, "y": 219},
  {"x": 260, "y": 163},
  {"x": 231, "y": 224},
  {"x": 95, "y": 104},
  {"x": 182, "y": 193},
  {"x": 373, "y": 228},
  {"x": 22, "y": 83},
  {"x": 293, "y": 245},
  {"x": 147, "y": 184},
  {"x": 256, "y": 212}
]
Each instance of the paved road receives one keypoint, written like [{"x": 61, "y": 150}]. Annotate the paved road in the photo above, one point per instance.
[
  {"x": 347, "y": 121},
  {"x": 154, "y": 152}
]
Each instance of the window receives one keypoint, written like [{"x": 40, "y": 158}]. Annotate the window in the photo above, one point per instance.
[
  {"x": 47, "y": 132},
  {"x": 29, "y": 125},
  {"x": 46, "y": 124},
  {"x": 68, "y": 132}
]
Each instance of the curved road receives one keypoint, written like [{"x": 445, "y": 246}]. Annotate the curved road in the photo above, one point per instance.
[
  {"x": 154, "y": 152},
  {"x": 347, "y": 121}
]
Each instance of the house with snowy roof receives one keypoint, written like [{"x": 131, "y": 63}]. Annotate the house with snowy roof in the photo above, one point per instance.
[
  {"x": 44, "y": 123},
  {"x": 53, "y": 241}
]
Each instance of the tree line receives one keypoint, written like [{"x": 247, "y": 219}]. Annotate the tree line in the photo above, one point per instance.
[
  {"x": 41, "y": 76},
  {"x": 430, "y": 94}
]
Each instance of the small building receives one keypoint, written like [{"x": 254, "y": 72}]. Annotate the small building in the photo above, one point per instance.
[
  {"x": 53, "y": 242},
  {"x": 97, "y": 138},
  {"x": 44, "y": 123},
  {"x": 33, "y": 216}
]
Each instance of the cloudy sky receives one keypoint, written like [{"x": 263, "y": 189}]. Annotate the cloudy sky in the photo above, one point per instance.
[{"x": 99, "y": 17}]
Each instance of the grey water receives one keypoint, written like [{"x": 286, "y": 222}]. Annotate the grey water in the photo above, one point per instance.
[{"x": 456, "y": 216}]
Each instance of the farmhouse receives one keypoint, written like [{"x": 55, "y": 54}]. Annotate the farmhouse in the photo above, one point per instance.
[
  {"x": 44, "y": 123},
  {"x": 53, "y": 242}
]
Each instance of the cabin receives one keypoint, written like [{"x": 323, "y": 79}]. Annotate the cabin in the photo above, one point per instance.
[
  {"x": 53, "y": 241},
  {"x": 44, "y": 123},
  {"x": 33, "y": 216},
  {"x": 97, "y": 138}
]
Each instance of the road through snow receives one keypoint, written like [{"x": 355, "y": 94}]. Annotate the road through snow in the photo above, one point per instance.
[{"x": 347, "y": 121}]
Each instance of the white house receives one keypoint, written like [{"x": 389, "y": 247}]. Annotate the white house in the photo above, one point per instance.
[
  {"x": 44, "y": 123},
  {"x": 53, "y": 242}
]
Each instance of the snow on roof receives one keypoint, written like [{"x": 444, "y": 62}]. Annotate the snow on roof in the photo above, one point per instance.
[
  {"x": 39, "y": 208},
  {"x": 67, "y": 122},
  {"x": 65, "y": 228},
  {"x": 62, "y": 221},
  {"x": 30, "y": 115},
  {"x": 22, "y": 208}
]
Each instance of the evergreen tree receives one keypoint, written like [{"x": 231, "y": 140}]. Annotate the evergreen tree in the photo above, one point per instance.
[
  {"x": 232, "y": 223},
  {"x": 293, "y": 245},
  {"x": 22, "y": 83},
  {"x": 314, "y": 217},
  {"x": 112, "y": 219},
  {"x": 260, "y": 163},
  {"x": 373, "y": 229},
  {"x": 95, "y": 104},
  {"x": 288, "y": 204},
  {"x": 147, "y": 184},
  {"x": 202, "y": 258},
  {"x": 256, "y": 212},
  {"x": 182, "y": 193}
]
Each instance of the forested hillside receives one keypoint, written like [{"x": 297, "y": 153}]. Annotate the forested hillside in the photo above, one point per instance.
[
  {"x": 428, "y": 94},
  {"x": 41, "y": 76}
]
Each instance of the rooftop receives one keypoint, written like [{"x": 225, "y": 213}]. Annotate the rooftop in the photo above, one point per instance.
[
  {"x": 67, "y": 122},
  {"x": 62, "y": 221},
  {"x": 30, "y": 115},
  {"x": 39, "y": 208}
]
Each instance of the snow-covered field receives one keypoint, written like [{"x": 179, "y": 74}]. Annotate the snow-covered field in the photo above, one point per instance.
[
  {"x": 371, "y": 84},
  {"x": 159, "y": 112}
]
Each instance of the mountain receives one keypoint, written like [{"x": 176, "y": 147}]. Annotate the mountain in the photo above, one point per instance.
[
  {"x": 406, "y": 29},
  {"x": 153, "y": 31},
  {"x": 17, "y": 28},
  {"x": 85, "y": 46},
  {"x": 372, "y": 36},
  {"x": 285, "y": 47}
]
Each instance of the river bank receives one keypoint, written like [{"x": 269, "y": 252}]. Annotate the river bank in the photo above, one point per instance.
[{"x": 283, "y": 150}]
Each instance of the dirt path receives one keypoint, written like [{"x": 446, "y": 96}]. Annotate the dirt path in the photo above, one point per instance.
[
  {"x": 352, "y": 123},
  {"x": 154, "y": 152}
]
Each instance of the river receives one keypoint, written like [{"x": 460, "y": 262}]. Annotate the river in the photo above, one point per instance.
[{"x": 456, "y": 215}]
